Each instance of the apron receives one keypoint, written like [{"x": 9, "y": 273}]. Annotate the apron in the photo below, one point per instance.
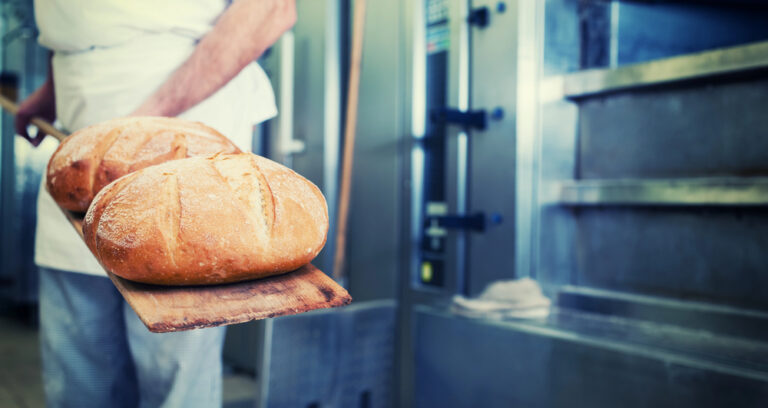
[{"x": 102, "y": 83}]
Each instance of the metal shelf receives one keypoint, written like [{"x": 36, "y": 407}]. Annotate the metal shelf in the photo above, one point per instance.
[
  {"x": 725, "y": 61},
  {"x": 726, "y": 191}
]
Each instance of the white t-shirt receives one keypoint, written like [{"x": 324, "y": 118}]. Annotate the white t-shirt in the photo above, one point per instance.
[{"x": 109, "y": 56}]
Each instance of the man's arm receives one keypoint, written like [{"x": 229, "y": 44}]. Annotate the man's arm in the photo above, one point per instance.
[{"x": 245, "y": 30}]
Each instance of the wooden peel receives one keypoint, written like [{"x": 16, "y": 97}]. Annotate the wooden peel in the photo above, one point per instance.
[
  {"x": 177, "y": 308},
  {"x": 356, "y": 57}
]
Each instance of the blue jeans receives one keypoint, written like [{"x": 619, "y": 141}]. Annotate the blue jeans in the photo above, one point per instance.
[{"x": 97, "y": 353}]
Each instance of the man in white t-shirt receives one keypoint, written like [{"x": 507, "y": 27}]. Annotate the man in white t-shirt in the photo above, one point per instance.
[{"x": 113, "y": 58}]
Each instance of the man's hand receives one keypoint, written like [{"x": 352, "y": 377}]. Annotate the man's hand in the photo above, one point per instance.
[
  {"x": 242, "y": 33},
  {"x": 42, "y": 104}
]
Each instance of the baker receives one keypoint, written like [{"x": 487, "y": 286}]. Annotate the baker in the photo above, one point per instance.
[{"x": 113, "y": 58}]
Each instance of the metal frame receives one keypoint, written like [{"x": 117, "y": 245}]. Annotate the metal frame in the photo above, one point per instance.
[
  {"x": 529, "y": 67},
  {"x": 725, "y": 191},
  {"x": 690, "y": 314},
  {"x": 720, "y": 62},
  {"x": 418, "y": 117},
  {"x": 287, "y": 145},
  {"x": 463, "y": 69},
  {"x": 332, "y": 118}
]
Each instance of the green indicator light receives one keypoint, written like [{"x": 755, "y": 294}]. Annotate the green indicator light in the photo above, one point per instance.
[{"x": 426, "y": 272}]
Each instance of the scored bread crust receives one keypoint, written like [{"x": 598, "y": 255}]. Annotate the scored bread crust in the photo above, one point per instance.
[
  {"x": 207, "y": 220},
  {"x": 95, "y": 156}
]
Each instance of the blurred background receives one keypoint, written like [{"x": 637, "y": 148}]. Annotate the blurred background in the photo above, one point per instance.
[{"x": 607, "y": 159}]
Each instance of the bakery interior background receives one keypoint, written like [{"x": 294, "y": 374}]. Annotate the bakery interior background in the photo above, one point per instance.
[{"x": 553, "y": 203}]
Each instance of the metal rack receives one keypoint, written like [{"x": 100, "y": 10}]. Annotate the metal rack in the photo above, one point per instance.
[
  {"x": 725, "y": 191},
  {"x": 737, "y": 60}
]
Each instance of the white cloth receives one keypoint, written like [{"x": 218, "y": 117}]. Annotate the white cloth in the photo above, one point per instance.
[
  {"x": 105, "y": 82},
  {"x": 520, "y": 298}
]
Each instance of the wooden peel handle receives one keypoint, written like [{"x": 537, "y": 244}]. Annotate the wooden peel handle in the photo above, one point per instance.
[
  {"x": 41, "y": 124},
  {"x": 353, "y": 92}
]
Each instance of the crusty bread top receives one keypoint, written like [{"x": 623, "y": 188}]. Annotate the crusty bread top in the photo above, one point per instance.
[
  {"x": 207, "y": 220},
  {"x": 94, "y": 156}
]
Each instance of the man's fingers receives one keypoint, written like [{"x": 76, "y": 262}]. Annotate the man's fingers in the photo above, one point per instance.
[
  {"x": 34, "y": 141},
  {"x": 21, "y": 123},
  {"x": 37, "y": 139}
]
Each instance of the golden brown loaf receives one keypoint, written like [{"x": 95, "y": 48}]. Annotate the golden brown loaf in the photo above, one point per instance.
[
  {"x": 207, "y": 220},
  {"x": 95, "y": 156}
]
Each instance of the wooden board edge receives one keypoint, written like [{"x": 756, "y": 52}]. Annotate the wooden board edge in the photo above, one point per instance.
[
  {"x": 341, "y": 297},
  {"x": 192, "y": 325}
]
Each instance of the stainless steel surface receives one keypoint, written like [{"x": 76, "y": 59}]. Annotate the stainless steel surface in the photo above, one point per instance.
[
  {"x": 529, "y": 67},
  {"x": 643, "y": 165},
  {"x": 455, "y": 178},
  {"x": 710, "y": 129},
  {"x": 726, "y": 320},
  {"x": 331, "y": 120},
  {"x": 734, "y": 191},
  {"x": 692, "y": 226},
  {"x": 340, "y": 358},
  {"x": 287, "y": 145},
  {"x": 413, "y": 48},
  {"x": 681, "y": 28},
  {"x": 707, "y": 254},
  {"x": 651, "y": 213},
  {"x": 583, "y": 360},
  {"x": 613, "y": 55},
  {"x": 243, "y": 345},
  {"x": 416, "y": 51},
  {"x": 552, "y": 251},
  {"x": 726, "y": 61},
  {"x": 480, "y": 166},
  {"x": 316, "y": 104},
  {"x": 460, "y": 97},
  {"x": 482, "y": 163},
  {"x": 495, "y": 51},
  {"x": 374, "y": 219},
  {"x": 269, "y": 133}
]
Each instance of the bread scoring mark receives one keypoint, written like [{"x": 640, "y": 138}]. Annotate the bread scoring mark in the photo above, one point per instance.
[
  {"x": 96, "y": 212},
  {"x": 148, "y": 134},
  {"x": 248, "y": 190},
  {"x": 267, "y": 198},
  {"x": 206, "y": 145},
  {"x": 162, "y": 145},
  {"x": 179, "y": 146},
  {"x": 294, "y": 192},
  {"x": 98, "y": 158},
  {"x": 172, "y": 218}
]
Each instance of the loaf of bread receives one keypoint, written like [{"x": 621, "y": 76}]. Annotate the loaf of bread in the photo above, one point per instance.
[
  {"x": 94, "y": 156},
  {"x": 206, "y": 220}
]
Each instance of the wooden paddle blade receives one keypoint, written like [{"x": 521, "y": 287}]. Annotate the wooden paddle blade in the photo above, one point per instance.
[{"x": 177, "y": 308}]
